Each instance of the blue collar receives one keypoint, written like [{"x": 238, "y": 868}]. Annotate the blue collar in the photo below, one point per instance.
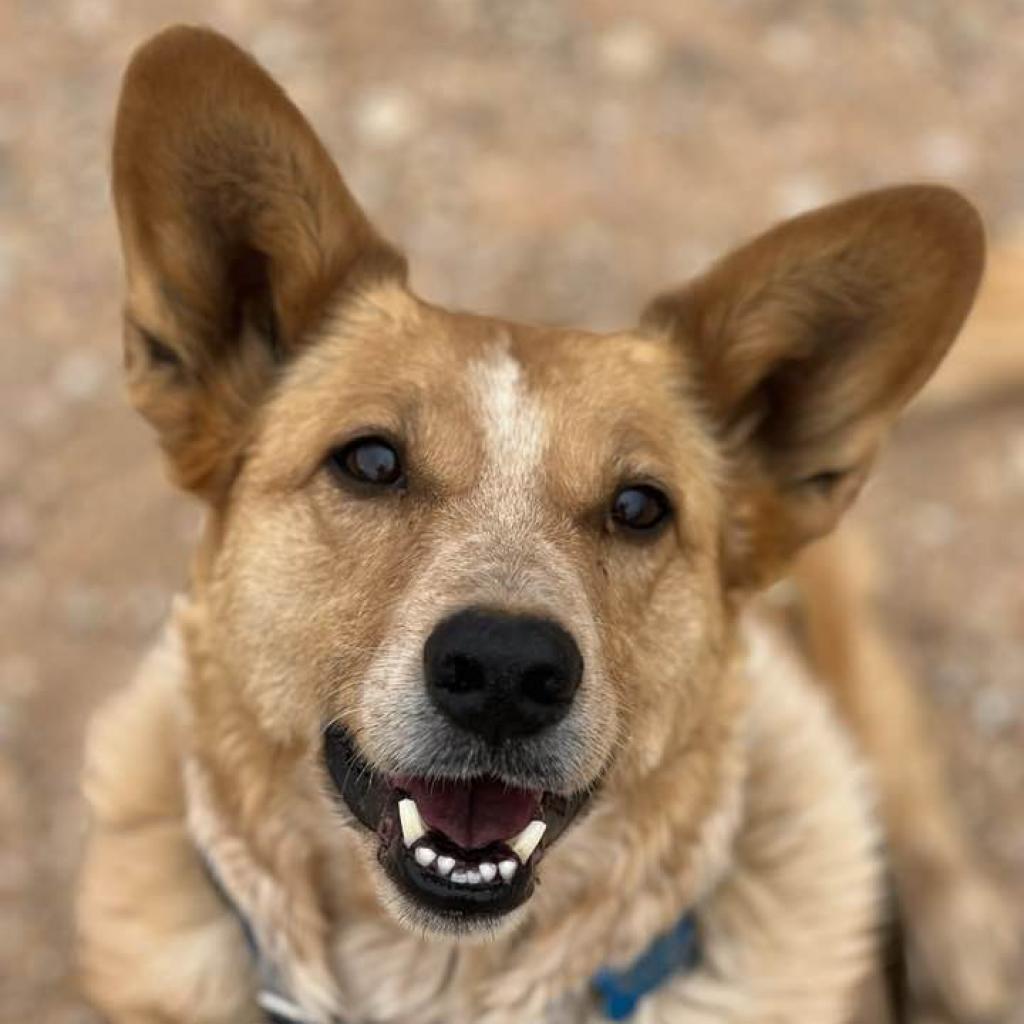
[
  {"x": 677, "y": 951},
  {"x": 618, "y": 992}
]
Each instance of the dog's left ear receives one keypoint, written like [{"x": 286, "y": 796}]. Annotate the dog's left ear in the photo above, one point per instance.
[
  {"x": 238, "y": 234},
  {"x": 808, "y": 342}
]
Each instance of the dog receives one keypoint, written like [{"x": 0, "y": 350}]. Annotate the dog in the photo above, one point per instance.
[{"x": 473, "y": 711}]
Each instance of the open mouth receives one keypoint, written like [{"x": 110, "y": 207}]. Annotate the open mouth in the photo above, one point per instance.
[{"x": 463, "y": 848}]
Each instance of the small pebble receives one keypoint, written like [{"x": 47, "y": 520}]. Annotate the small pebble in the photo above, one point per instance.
[
  {"x": 385, "y": 116},
  {"x": 629, "y": 50},
  {"x": 78, "y": 376}
]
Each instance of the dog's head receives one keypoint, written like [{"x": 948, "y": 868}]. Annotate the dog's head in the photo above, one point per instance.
[{"x": 478, "y": 569}]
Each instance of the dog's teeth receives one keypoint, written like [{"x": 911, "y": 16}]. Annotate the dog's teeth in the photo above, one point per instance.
[
  {"x": 460, "y": 877},
  {"x": 412, "y": 824},
  {"x": 425, "y": 856},
  {"x": 488, "y": 871},
  {"x": 507, "y": 869},
  {"x": 527, "y": 841},
  {"x": 473, "y": 877},
  {"x": 445, "y": 865}
]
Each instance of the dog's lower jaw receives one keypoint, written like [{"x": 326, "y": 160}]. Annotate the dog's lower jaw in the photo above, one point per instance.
[{"x": 431, "y": 929}]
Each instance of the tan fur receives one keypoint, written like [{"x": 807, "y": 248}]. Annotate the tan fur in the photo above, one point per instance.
[{"x": 268, "y": 324}]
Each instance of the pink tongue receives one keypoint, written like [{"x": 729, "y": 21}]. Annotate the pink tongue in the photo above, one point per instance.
[{"x": 472, "y": 814}]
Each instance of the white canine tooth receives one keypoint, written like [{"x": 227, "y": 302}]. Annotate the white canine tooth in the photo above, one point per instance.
[
  {"x": 425, "y": 856},
  {"x": 508, "y": 869},
  {"x": 528, "y": 840},
  {"x": 488, "y": 871},
  {"x": 460, "y": 877},
  {"x": 473, "y": 877},
  {"x": 412, "y": 824},
  {"x": 445, "y": 864}
]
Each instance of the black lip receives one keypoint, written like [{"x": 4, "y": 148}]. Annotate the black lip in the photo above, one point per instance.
[
  {"x": 366, "y": 793},
  {"x": 448, "y": 899},
  {"x": 373, "y": 800}
]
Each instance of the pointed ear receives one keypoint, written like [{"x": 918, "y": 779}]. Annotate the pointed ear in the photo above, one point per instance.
[
  {"x": 237, "y": 232},
  {"x": 806, "y": 344}
]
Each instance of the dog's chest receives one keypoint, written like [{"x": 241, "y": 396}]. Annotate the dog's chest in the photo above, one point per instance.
[{"x": 392, "y": 978}]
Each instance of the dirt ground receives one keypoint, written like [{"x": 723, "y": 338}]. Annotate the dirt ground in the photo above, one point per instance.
[{"x": 547, "y": 160}]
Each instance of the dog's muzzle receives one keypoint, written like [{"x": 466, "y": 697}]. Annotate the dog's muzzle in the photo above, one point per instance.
[{"x": 466, "y": 845}]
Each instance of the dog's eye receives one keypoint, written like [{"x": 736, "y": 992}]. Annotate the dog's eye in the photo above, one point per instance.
[
  {"x": 368, "y": 460},
  {"x": 640, "y": 507}
]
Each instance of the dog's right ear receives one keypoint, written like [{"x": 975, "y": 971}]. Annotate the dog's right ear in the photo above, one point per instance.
[
  {"x": 805, "y": 345},
  {"x": 237, "y": 231}
]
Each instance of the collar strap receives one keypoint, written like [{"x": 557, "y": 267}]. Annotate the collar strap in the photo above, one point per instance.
[
  {"x": 280, "y": 1009},
  {"x": 675, "y": 952},
  {"x": 272, "y": 997}
]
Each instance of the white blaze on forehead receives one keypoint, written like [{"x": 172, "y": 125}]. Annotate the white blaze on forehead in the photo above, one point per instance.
[{"x": 512, "y": 418}]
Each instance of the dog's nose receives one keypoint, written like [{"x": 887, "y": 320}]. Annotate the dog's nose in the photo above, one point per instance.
[{"x": 501, "y": 675}]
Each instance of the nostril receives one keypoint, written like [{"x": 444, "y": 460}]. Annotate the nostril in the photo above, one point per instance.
[
  {"x": 545, "y": 684},
  {"x": 461, "y": 673}
]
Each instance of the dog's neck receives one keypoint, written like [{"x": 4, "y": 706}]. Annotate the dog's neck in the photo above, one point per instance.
[{"x": 301, "y": 879}]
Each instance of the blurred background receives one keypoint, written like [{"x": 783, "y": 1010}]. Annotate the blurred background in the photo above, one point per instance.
[{"x": 542, "y": 159}]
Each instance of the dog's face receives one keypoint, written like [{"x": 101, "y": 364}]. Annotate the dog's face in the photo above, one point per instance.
[
  {"x": 479, "y": 570},
  {"x": 461, "y": 558}
]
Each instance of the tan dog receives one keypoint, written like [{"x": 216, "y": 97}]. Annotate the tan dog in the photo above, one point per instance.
[{"x": 465, "y": 655}]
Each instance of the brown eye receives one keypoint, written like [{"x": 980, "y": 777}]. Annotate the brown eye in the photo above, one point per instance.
[
  {"x": 369, "y": 460},
  {"x": 640, "y": 508}
]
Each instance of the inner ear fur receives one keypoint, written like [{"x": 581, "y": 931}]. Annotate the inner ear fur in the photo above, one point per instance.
[
  {"x": 237, "y": 231},
  {"x": 807, "y": 343}
]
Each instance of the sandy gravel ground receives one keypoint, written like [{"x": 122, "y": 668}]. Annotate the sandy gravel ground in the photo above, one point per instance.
[{"x": 548, "y": 160}]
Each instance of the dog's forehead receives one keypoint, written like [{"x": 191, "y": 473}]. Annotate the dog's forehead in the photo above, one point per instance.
[
  {"x": 572, "y": 403},
  {"x": 512, "y": 415},
  {"x": 472, "y": 394},
  {"x": 505, "y": 370}
]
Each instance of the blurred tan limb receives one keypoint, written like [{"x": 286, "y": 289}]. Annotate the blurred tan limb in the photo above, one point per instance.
[
  {"x": 988, "y": 358},
  {"x": 962, "y": 937}
]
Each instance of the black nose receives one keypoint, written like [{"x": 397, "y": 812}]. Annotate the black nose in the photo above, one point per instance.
[{"x": 502, "y": 676}]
